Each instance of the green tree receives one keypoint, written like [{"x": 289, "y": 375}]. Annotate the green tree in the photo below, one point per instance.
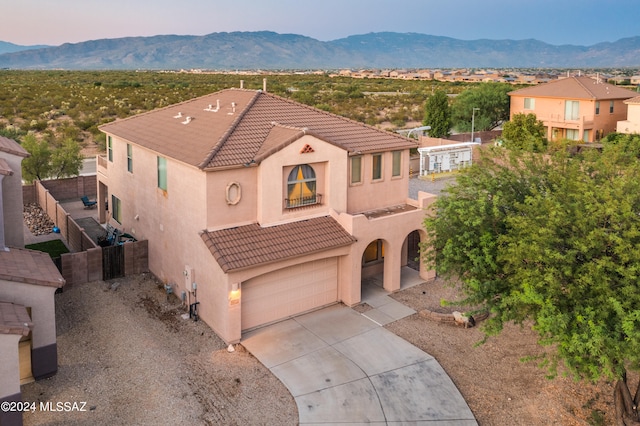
[
  {"x": 437, "y": 114},
  {"x": 554, "y": 241},
  {"x": 626, "y": 145},
  {"x": 38, "y": 164},
  {"x": 66, "y": 160},
  {"x": 44, "y": 162},
  {"x": 525, "y": 132},
  {"x": 492, "y": 101}
]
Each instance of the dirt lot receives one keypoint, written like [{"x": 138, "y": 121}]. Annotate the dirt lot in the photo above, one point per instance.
[
  {"x": 499, "y": 387},
  {"x": 128, "y": 353}
]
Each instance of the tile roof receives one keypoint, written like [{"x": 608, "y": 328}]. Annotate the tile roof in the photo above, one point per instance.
[
  {"x": 576, "y": 88},
  {"x": 5, "y": 169},
  {"x": 29, "y": 266},
  {"x": 252, "y": 245},
  {"x": 244, "y": 122},
  {"x": 12, "y": 147},
  {"x": 634, "y": 101},
  {"x": 14, "y": 319}
]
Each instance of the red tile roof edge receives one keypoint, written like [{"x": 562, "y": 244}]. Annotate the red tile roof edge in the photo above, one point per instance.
[
  {"x": 14, "y": 319},
  {"x": 228, "y": 263},
  {"x": 12, "y": 147}
]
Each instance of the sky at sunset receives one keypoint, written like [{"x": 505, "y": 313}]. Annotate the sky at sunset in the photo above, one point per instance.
[{"x": 578, "y": 22}]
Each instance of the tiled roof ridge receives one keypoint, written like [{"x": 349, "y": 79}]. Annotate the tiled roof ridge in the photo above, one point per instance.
[
  {"x": 330, "y": 114},
  {"x": 214, "y": 150},
  {"x": 584, "y": 86},
  {"x": 301, "y": 132}
]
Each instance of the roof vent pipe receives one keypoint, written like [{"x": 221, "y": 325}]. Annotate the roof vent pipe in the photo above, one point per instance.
[
  {"x": 264, "y": 85},
  {"x": 242, "y": 84}
]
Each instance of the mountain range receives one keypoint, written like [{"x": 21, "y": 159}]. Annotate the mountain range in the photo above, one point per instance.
[{"x": 270, "y": 50}]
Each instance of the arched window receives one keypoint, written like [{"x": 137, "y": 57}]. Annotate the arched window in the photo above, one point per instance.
[{"x": 301, "y": 186}]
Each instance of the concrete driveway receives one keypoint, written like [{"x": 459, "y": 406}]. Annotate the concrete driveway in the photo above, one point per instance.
[{"x": 343, "y": 368}]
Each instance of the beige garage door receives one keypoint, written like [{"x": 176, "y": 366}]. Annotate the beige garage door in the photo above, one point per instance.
[
  {"x": 289, "y": 291},
  {"x": 25, "y": 360}
]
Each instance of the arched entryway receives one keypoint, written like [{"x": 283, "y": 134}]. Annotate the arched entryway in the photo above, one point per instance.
[
  {"x": 413, "y": 250},
  {"x": 373, "y": 263}
]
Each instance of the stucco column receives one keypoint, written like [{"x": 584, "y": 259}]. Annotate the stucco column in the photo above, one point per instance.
[
  {"x": 350, "y": 278},
  {"x": 392, "y": 266},
  {"x": 234, "y": 330}
]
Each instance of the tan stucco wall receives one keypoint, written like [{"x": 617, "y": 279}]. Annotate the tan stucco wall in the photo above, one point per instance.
[
  {"x": 389, "y": 191},
  {"x": 170, "y": 220},
  {"x": 328, "y": 161},
  {"x": 393, "y": 230},
  {"x": 12, "y": 204},
  {"x": 41, "y": 301},
  {"x": 632, "y": 123},
  {"x": 222, "y": 214},
  {"x": 9, "y": 365}
]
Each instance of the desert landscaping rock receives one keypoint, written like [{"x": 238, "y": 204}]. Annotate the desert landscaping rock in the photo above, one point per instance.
[{"x": 37, "y": 220}]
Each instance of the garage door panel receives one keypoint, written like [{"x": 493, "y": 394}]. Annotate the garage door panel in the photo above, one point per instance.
[{"x": 289, "y": 291}]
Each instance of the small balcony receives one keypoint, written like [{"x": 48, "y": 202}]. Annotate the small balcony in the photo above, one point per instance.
[
  {"x": 102, "y": 165},
  {"x": 302, "y": 202}
]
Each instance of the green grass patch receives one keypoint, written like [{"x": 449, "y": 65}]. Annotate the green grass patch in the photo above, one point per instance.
[{"x": 54, "y": 247}]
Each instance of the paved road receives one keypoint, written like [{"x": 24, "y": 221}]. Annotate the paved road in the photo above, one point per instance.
[{"x": 427, "y": 185}]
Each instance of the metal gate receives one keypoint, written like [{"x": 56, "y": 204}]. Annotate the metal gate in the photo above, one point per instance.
[{"x": 112, "y": 262}]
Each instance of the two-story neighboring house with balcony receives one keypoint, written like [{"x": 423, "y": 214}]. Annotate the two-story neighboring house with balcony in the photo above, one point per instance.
[
  {"x": 575, "y": 108},
  {"x": 258, "y": 207}
]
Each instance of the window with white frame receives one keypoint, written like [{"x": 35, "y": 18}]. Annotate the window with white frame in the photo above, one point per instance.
[
  {"x": 116, "y": 209},
  {"x": 356, "y": 169},
  {"x": 396, "y": 166},
  {"x": 529, "y": 103},
  {"x": 572, "y": 134},
  {"x": 129, "y": 158},
  {"x": 162, "y": 173},
  {"x": 597, "y": 107},
  {"x": 376, "y": 171},
  {"x": 571, "y": 110},
  {"x": 109, "y": 148},
  {"x": 610, "y": 107}
]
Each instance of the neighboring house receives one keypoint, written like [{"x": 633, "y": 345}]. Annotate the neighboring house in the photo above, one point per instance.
[
  {"x": 11, "y": 156},
  {"x": 576, "y": 108},
  {"x": 632, "y": 123},
  {"x": 258, "y": 207},
  {"x": 28, "y": 281}
]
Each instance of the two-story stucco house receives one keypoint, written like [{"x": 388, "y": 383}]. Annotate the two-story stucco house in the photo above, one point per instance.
[
  {"x": 576, "y": 108},
  {"x": 258, "y": 207},
  {"x": 28, "y": 281}
]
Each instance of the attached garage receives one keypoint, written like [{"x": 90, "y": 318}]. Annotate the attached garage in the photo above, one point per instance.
[{"x": 289, "y": 291}]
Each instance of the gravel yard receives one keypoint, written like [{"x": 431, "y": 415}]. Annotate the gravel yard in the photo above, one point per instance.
[
  {"x": 130, "y": 356},
  {"x": 128, "y": 353}
]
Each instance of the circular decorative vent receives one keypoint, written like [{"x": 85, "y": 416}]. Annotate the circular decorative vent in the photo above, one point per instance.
[{"x": 234, "y": 193}]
